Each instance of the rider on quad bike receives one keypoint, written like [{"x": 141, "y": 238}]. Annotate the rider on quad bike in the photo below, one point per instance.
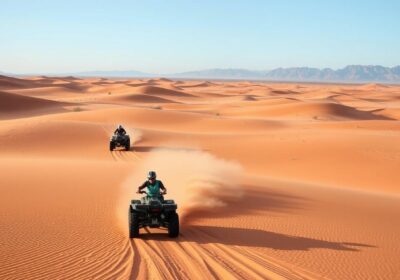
[
  {"x": 153, "y": 211},
  {"x": 120, "y": 139},
  {"x": 153, "y": 187},
  {"x": 120, "y": 131}
]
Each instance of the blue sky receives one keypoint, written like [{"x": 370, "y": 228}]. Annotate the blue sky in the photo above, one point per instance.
[{"x": 177, "y": 35}]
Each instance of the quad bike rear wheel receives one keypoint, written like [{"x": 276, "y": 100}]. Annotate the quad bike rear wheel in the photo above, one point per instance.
[{"x": 128, "y": 145}]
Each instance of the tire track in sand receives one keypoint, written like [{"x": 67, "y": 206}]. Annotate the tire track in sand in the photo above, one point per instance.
[{"x": 205, "y": 258}]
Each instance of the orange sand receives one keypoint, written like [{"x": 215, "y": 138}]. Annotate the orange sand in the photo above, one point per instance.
[{"x": 314, "y": 170}]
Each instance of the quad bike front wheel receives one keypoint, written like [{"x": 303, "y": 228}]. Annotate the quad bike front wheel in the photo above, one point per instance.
[
  {"x": 173, "y": 225},
  {"x": 112, "y": 146},
  {"x": 128, "y": 145},
  {"x": 133, "y": 225}
]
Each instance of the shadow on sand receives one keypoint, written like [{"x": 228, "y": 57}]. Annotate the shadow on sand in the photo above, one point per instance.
[
  {"x": 253, "y": 238},
  {"x": 146, "y": 149}
]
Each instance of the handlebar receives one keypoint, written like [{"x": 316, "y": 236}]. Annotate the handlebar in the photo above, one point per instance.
[{"x": 144, "y": 192}]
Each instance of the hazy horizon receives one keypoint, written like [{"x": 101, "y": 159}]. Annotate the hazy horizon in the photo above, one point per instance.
[
  {"x": 165, "y": 38},
  {"x": 173, "y": 73}
]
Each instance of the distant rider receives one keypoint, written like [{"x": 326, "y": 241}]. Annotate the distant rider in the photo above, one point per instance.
[
  {"x": 153, "y": 186},
  {"x": 120, "y": 131}
]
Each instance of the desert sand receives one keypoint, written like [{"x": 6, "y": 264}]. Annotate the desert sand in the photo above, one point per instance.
[{"x": 273, "y": 180}]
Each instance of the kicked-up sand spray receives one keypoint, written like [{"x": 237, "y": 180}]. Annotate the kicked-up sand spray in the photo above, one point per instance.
[{"x": 136, "y": 136}]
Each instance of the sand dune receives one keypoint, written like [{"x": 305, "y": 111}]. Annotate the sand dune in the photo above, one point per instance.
[
  {"x": 311, "y": 110},
  {"x": 164, "y": 80},
  {"x": 28, "y": 140},
  {"x": 138, "y": 84},
  {"x": 47, "y": 92},
  {"x": 13, "y": 103},
  {"x": 373, "y": 86},
  {"x": 160, "y": 91},
  {"x": 392, "y": 113},
  {"x": 273, "y": 180},
  {"x": 283, "y": 92},
  {"x": 249, "y": 98},
  {"x": 141, "y": 98},
  {"x": 11, "y": 83},
  {"x": 201, "y": 84},
  {"x": 7, "y": 83}
]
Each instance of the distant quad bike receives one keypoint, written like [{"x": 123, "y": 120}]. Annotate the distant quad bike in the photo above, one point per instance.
[
  {"x": 120, "y": 141},
  {"x": 153, "y": 212}
]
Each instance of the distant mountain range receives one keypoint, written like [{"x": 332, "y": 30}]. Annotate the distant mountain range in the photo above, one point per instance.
[{"x": 351, "y": 73}]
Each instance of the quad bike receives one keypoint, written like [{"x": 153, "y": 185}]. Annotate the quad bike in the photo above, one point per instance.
[
  {"x": 120, "y": 141},
  {"x": 153, "y": 212}
]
